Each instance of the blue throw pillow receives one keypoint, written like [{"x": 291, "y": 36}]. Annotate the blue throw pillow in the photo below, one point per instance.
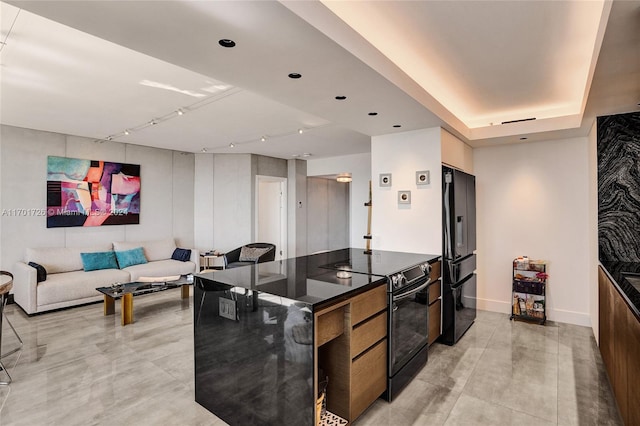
[
  {"x": 181, "y": 254},
  {"x": 131, "y": 257},
  {"x": 99, "y": 260}
]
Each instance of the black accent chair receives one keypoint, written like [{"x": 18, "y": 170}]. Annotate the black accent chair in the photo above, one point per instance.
[{"x": 232, "y": 258}]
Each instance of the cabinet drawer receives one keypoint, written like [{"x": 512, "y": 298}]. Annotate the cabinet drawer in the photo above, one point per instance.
[
  {"x": 435, "y": 271},
  {"x": 368, "y": 333},
  {"x": 367, "y": 304},
  {"x": 368, "y": 378},
  {"x": 435, "y": 291},
  {"x": 434, "y": 320},
  {"x": 330, "y": 325}
]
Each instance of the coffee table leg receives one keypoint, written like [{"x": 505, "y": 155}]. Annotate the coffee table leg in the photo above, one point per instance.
[
  {"x": 185, "y": 291},
  {"x": 109, "y": 305},
  {"x": 127, "y": 308}
]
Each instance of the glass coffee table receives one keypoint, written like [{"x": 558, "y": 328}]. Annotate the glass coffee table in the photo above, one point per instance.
[{"x": 126, "y": 291}]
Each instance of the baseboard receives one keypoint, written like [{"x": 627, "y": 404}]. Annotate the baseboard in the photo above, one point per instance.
[
  {"x": 558, "y": 315},
  {"x": 493, "y": 305},
  {"x": 569, "y": 317}
]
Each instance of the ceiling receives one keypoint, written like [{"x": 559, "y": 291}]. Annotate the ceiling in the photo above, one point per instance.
[{"x": 123, "y": 70}]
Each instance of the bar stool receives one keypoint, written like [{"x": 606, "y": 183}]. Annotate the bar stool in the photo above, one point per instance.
[{"x": 6, "y": 284}]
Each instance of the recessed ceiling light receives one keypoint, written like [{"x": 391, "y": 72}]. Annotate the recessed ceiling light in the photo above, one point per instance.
[
  {"x": 262, "y": 139},
  {"x": 153, "y": 122},
  {"x": 231, "y": 145},
  {"x": 180, "y": 111},
  {"x": 295, "y": 75},
  {"x": 295, "y": 155},
  {"x": 397, "y": 125},
  {"x": 126, "y": 131},
  {"x": 306, "y": 154},
  {"x": 341, "y": 98},
  {"x": 300, "y": 131},
  {"x": 109, "y": 138},
  {"x": 373, "y": 113},
  {"x": 225, "y": 42},
  {"x": 344, "y": 177},
  {"x": 203, "y": 150}
]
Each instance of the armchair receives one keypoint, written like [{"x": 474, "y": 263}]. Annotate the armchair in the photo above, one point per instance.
[{"x": 250, "y": 254}]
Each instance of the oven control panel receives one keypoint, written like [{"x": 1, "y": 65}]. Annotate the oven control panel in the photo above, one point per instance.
[{"x": 409, "y": 276}]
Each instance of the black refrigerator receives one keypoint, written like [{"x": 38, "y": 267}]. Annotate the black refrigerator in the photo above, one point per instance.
[{"x": 459, "y": 259}]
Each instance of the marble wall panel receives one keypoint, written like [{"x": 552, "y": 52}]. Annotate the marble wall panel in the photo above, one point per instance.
[{"x": 619, "y": 187}]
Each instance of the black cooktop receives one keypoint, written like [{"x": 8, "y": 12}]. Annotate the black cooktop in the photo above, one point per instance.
[{"x": 379, "y": 262}]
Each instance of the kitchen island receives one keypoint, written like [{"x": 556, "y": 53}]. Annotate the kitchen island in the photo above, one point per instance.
[{"x": 265, "y": 335}]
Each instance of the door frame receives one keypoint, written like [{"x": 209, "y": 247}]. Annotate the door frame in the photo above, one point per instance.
[{"x": 283, "y": 209}]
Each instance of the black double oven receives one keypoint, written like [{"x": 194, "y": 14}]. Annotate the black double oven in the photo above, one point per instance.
[{"x": 408, "y": 323}]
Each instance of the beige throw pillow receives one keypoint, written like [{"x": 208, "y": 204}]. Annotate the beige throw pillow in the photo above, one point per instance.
[{"x": 251, "y": 254}]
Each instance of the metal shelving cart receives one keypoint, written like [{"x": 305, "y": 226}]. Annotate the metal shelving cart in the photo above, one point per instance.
[{"x": 529, "y": 286}]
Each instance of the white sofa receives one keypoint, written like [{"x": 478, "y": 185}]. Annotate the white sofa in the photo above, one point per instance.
[{"x": 67, "y": 283}]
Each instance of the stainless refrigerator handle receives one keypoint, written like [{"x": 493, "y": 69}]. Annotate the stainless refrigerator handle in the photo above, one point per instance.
[{"x": 459, "y": 233}]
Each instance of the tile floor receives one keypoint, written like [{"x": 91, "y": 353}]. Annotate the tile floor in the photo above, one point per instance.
[{"x": 79, "y": 367}]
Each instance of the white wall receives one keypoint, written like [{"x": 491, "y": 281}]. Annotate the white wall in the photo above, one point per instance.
[
  {"x": 296, "y": 208},
  {"x": 233, "y": 201},
  {"x": 225, "y": 197},
  {"x": 359, "y": 165},
  {"x": 166, "y": 193},
  {"x": 533, "y": 199},
  {"x": 204, "y": 208},
  {"x": 327, "y": 214},
  {"x": 416, "y": 227}
]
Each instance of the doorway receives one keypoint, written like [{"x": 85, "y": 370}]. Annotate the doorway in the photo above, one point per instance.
[{"x": 271, "y": 213}]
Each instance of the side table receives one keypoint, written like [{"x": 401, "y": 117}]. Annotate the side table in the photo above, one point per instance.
[{"x": 211, "y": 261}]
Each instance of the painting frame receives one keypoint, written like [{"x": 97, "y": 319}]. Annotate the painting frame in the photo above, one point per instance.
[{"x": 89, "y": 193}]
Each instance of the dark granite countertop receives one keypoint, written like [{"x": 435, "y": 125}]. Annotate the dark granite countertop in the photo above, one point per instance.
[
  {"x": 615, "y": 272},
  {"x": 319, "y": 279}
]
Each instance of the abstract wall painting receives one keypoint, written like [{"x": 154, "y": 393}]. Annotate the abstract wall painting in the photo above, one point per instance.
[{"x": 91, "y": 193}]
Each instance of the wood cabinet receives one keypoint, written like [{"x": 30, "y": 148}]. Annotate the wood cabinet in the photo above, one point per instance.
[
  {"x": 351, "y": 350},
  {"x": 619, "y": 341}
]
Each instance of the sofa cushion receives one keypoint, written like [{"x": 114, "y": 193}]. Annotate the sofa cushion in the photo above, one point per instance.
[
  {"x": 98, "y": 260},
  {"x": 239, "y": 264},
  {"x": 160, "y": 268},
  {"x": 153, "y": 250},
  {"x": 181, "y": 254},
  {"x": 131, "y": 257},
  {"x": 61, "y": 259},
  {"x": 77, "y": 285},
  {"x": 41, "y": 274}
]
